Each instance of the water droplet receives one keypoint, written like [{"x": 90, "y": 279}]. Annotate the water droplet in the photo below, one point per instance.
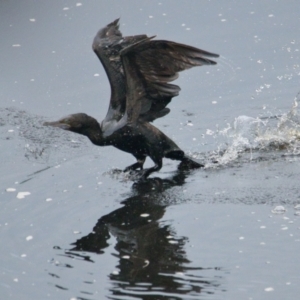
[
  {"x": 278, "y": 210},
  {"x": 144, "y": 215},
  {"x": 22, "y": 195},
  {"x": 147, "y": 262},
  {"x": 209, "y": 132},
  {"x": 297, "y": 206},
  {"x": 173, "y": 242}
]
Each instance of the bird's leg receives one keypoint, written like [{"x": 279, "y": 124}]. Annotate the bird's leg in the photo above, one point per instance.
[
  {"x": 155, "y": 168},
  {"x": 138, "y": 164}
]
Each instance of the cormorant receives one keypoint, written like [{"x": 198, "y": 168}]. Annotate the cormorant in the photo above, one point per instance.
[{"x": 139, "y": 70}]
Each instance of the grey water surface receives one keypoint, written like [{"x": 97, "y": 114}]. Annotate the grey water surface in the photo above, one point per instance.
[{"x": 74, "y": 227}]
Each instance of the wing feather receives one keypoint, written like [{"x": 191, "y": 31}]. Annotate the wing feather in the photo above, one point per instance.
[
  {"x": 149, "y": 67},
  {"x": 107, "y": 44},
  {"x": 140, "y": 70}
]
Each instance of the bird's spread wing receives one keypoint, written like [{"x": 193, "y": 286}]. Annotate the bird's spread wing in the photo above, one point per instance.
[
  {"x": 107, "y": 44},
  {"x": 149, "y": 66},
  {"x": 140, "y": 70}
]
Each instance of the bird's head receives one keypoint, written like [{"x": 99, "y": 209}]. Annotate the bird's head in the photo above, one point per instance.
[{"x": 80, "y": 123}]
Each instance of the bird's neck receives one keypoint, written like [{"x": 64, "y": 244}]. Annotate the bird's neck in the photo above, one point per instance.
[{"x": 96, "y": 137}]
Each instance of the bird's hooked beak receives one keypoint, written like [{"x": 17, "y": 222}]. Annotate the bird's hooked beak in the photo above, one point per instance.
[{"x": 59, "y": 124}]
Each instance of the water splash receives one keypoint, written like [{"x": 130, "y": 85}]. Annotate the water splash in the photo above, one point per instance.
[{"x": 250, "y": 138}]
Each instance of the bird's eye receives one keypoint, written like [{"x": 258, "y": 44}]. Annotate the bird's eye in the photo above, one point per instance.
[{"x": 65, "y": 121}]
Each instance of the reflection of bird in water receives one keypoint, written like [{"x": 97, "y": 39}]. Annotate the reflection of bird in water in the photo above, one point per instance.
[
  {"x": 138, "y": 232},
  {"x": 139, "y": 70},
  {"x": 149, "y": 251}
]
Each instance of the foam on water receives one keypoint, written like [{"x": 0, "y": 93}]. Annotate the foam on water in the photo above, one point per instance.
[{"x": 251, "y": 138}]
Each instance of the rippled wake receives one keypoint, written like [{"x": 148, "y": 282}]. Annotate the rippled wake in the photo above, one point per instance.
[{"x": 246, "y": 139}]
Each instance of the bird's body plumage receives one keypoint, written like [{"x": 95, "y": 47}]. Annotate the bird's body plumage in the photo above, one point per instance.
[{"x": 139, "y": 70}]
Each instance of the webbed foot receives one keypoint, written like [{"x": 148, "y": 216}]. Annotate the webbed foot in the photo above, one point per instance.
[
  {"x": 138, "y": 165},
  {"x": 189, "y": 163}
]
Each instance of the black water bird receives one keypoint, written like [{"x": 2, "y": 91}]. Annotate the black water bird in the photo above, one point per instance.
[{"x": 139, "y": 70}]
